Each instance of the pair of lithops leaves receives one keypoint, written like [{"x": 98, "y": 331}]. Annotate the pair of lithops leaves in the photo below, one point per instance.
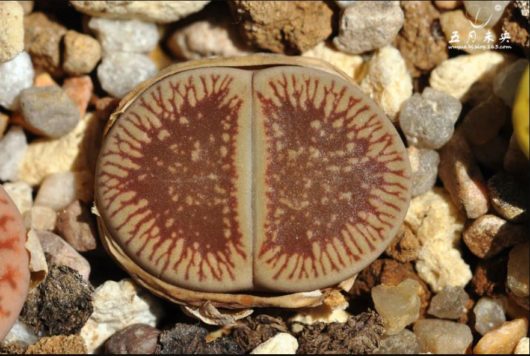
[{"x": 251, "y": 181}]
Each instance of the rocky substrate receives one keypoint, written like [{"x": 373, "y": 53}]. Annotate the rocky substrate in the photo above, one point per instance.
[{"x": 455, "y": 278}]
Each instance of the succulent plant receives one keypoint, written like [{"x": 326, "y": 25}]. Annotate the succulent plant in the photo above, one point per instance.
[
  {"x": 14, "y": 268},
  {"x": 248, "y": 175},
  {"x": 521, "y": 113}
]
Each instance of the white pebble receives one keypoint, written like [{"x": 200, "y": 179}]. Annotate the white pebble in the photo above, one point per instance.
[
  {"x": 120, "y": 72},
  {"x": 21, "y": 194},
  {"x": 20, "y": 333},
  {"x": 279, "y": 344},
  {"x": 12, "y": 149},
  {"x": 522, "y": 347},
  {"x": 15, "y": 76},
  {"x": 116, "y": 306},
  {"x": 489, "y": 314},
  {"x": 124, "y": 35},
  {"x": 58, "y": 190}
]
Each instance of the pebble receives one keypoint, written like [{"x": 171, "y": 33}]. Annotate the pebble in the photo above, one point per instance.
[
  {"x": 405, "y": 246},
  {"x": 20, "y": 333},
  {"x": 58, "y": 345},
  {"x": 76, "y": 225},
  {"x": 282, "y": 26},
  {"x": 447, "y": 4},
  {"x": 514, "y": 160},
  {"x": 59, "y": 190},
  {"x": 12, "y": 149},
  {"x": 489, "y": 314},
  {"x": 81, "y": 53},
  {"x": 42, "y": 40},
  {"x": 491, "y": 154},
  {"x": 503, "y": 339},
  {"x": 485, "y": 12},
  {"x": 449, "y": 303},
  {"x": 210, "y": 37},
  {"x": 456, "y": 22},
  {"x": 518, "y": 279},
  {"x": 428, "y": 119},
  {"x": 404, "y": 295},
  {"x": 48, "y": 111},
  {"x": 438, "y": 226},
  {"x": 40, "y": 218},
  {"x": 15, "y": 76},
  {"x": 27, "y": 6},
  {"x": 116, "y": 306},
  {"x": 11, "y": 30},
  {"x": 368, "y": 25},
  {"x": 468, "y": 77},
  {"x": 387, "y": 81},
  {"x": 350, "y": 64},
  {"x": 21, "y": 194},
  {"x": 80, "y": 90},
  {"x": 124, "y": 35},
  {"x": 420, "y": 41},
  {"x": 152, "y": 11},
  {"x": 508, "y": 196},
  {"x": 462, "y": 177},
  {"x": 404, "y": 342},
  {"x": 523, "y": 347},
  {"x": 281, "y": 343},
  {"x": 424, "y": 168},
  {"x": 134, "y": 339},
  {"x": 488, "y": 235},
  {"x": 442, "y": 336},
  {"x": 120, "y": 72},
  {"x": 507, "y": 80},
  {"x": 72, "y": 152},
  {"x": 62, "y": 254},
  {"x": 484, "y": 121},
  {"x": 4, "y": 122}
]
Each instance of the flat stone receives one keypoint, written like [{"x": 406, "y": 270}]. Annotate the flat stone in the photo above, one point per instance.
[
  {"x": 508, "y": 196},
  {"x": 120, "y": 72},
  {"x": 442, "y": 336},
  {"x": 484, "y": 121},
  {"x": 48, "y": 111},
  {"x": 153, "y": 11},
  {"x": 40, "y": 218},
  {"x": 15, "y": 76},
  {"x": 462, "y": 177},
  {"x": 12, "y": 149},
  {"x": 42, "y": 40},
  {"x": 11, "y": 30},
  {"x": 59, "y": 190},
  {"x": 449, "y": 303},
  {"x": 404, "y": 342},
  {"x": 81, "y": 53},
  {"x": 62, "y": 254},
  {"x": 118, "y": 305},
  {"x": 428, "y": 119},
  {"x": 503, "y": 339},
  {"x": 124, "y": 35},
  {"x": 489, "y": 314},
  {"x": 368, "y": 25},
  {"x": 488, "y": 235},
  {"x": 387, "y": 81},
  {"x": 406, "y": 296},
  {"x": 21, "y": 194},
  {"x": 76, "y": 225},
  {"x": 518, "y": 279}
]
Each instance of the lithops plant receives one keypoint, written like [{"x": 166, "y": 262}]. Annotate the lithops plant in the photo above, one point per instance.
[
  {"x": 237, "y": 180},
  {"x": 521, "y": 113},
  {"x": 14, "y": 270}
]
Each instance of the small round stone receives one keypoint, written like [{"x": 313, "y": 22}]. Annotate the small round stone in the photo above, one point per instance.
[
  {"x": 81, "y": 53},
  {"x": 15, "y": 76},
  {"x": 450, "y": 303},
  {"x": 489, "y": 314},
  {"x": 48, "y": 111},
  {"x": 134, "y": 339},
  {"x": 404, "y": 342},
  {"x": 518, "y": 279},
  {"x": 119, "y": 72}
]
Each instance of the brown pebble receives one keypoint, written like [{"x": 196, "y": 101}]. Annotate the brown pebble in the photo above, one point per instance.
[
  {"x": 64, "y": 345},
  {"x": 134, "y": 339},
  {"x": 515, "y": 161},
  {"x": 4, "y": 120},
  {"x": 489, "y": 235},
  {"x": 491, "y": 154},
  {"x": 105, "y": 107},
  {"x": 447, "y": 4},
  {"x": 79, "y": 89},
  {"x": 81, "y": 53},
  {"x": 77, "y": 226},
  {"x": 503, "y": 339},
  {"x": 485, "y": 120},
  {"x": 462, "y": 177},
  {"x": 405, "y": 246},
  {"x": 509, "y": 196}
]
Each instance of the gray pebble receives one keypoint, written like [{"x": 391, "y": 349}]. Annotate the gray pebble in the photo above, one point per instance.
[
  {"x": 428, "y": 119},
  {"x": 424, "y": 165},
  {"x": 12, "y": 149},
  {"x": 15, "y": 75},
  {"x": 48, "y": 111}
]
